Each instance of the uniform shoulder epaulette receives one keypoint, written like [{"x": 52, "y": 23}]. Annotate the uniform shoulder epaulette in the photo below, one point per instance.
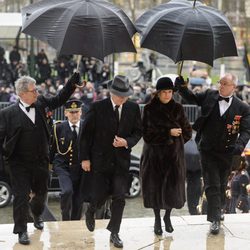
[{"x": 57, "y": 122}]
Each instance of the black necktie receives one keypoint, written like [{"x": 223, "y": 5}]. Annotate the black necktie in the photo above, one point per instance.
[
  {"x": 224, "y": 98},
  {"x": 117, "y": 113},
  {"x": 74, "y": 133}
]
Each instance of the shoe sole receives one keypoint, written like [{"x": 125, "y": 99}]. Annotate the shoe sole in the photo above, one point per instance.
[
  {"x": 115, "y": 245},
  {"x": 24, "y": 243}
]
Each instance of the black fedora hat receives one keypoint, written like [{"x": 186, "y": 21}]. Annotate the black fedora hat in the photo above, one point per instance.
[{"x": 120, "y": 86}]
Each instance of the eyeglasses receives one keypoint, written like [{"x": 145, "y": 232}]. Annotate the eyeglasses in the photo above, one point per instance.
[
  {"x": 225, "y": 84},
  {"x": 34, "y": 91}
]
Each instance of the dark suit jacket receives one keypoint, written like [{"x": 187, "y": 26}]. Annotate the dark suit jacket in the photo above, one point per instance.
[
  {"x": 10, "y": 119},
  {"x": 64, "y": 136},
  {"x": 99, "y": 131},
  {"x": 207, "y": 100}
]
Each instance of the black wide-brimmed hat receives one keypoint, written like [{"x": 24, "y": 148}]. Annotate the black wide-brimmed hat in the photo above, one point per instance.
[
  {"x": 120, "y": 86},
  {"x": 73, "y": 105}
]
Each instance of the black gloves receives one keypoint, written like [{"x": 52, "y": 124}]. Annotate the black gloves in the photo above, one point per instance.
[
  {"x": 179, "y": 82},
  {"x": 75, "y": 78}
]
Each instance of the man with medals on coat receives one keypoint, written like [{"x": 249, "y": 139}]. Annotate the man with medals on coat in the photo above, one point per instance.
[
  {"x": 223, "y": 130},
  {"x": 66, "y": 165}
]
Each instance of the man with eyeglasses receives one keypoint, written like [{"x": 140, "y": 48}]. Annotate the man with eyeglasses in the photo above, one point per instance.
[
  {"x": 223, "y": 130},
  {"x": 24, "y": 141},
  {"x": 66, "y": 165}
]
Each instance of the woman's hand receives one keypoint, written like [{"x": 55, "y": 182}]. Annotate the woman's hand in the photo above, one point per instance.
[{"x": 176, "y": 132}]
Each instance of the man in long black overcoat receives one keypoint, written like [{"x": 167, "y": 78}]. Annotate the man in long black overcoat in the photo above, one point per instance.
[
  {"x": 111, "y": 128},
  {"x": 24, "y": 140},
  {"x": 223, "y": 130}
]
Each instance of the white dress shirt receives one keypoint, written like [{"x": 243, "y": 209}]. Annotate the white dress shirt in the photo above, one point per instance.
[
  {"x": 31, "y": 114},
  {"x": 77, "y": 126},
  {"x": 224, "y": 105},
  {"x": 119, "y": 109}
]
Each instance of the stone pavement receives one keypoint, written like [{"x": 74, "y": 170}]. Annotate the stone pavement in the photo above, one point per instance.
[{"x": 190, "y": 233}]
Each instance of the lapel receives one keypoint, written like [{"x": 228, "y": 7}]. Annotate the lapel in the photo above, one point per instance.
[
  {"x": 40, "y": 112},
  {"x": 67, "y": 131},
  {"x": 232, "y": 111},
  {"x": 80, "y": 132},
  {"x": 109, "y": 111}
]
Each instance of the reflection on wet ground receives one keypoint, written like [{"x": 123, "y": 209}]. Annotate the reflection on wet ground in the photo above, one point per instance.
[{"x": 190, "y": 233}]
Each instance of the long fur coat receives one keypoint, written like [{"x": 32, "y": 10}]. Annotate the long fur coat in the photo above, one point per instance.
[{"x": 162, "y": 163}]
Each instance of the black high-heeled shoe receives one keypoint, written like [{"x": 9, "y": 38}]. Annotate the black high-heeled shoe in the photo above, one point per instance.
[
  {"x": 168, "y": 226},
  {"x": 157, "y": 227}
]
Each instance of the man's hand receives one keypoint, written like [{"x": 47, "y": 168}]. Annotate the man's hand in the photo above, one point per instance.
[
  {"x": 179, "y": 82},
  {"x": 175, "y": 132},
  {"x": 119, "y": 142},
  {"x": 75, "y": 78},
  {"x": 86, "y": 165}
]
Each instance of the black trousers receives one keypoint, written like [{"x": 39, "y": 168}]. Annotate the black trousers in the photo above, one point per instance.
[
  {"x": 27, "y": 178},
  {"x": 193, "y": 190},
  {"x": 71, "y": 205},
  {"x": 104, "y": 186},
  {"x": 216, "y": 168}
]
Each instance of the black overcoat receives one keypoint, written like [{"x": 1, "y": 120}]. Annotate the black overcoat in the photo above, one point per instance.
[
  {"x": 162, "y": 162},
  {"x": 99, "y": 130}
]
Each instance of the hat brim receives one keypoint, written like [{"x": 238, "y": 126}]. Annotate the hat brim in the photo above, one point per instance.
[
  {"x": 75, "y": 109},
  {"x": 119, "y": 93}
]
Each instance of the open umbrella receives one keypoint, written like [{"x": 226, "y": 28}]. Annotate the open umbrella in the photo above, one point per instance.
[
  {"x": 93, "y": 28},
  {"x": 185, "y": 30}
]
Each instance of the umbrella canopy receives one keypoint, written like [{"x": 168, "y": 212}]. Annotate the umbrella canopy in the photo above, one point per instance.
[
  {"x": 182, "y": 31},
  {"x": 93, "y": 28}
]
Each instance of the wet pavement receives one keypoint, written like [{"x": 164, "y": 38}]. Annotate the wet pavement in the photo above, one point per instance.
[{"x": 190, "y": 233}]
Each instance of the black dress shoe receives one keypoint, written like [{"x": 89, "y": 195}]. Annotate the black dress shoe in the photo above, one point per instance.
[
  {"x": 115, "y": 239},
  {"x": 215, "y": 227},
  {"x": 90, "y": 220},
  {"x": 157, "y": 227},
  {"x": 168, "y": 226},
  {"x": 23, "y": 238},
  {"x": 38, "y": 222}
]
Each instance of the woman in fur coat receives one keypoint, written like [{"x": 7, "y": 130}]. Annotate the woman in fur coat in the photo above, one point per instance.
[{"x": 165, "y": 130}]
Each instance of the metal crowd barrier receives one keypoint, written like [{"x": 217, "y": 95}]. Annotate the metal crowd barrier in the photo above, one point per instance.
[{"x": 192, "y": 111}]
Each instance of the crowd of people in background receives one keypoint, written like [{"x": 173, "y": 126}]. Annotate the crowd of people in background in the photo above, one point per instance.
[{"x": 51, "y": 77}]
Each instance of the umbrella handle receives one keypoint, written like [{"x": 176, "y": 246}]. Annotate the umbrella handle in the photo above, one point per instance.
[
  {"x": 194, "y": 4},
  {"x": 78, "y": 62},
  {"x": 180, "y": 67},
  {"x": 77, "y": 70}
]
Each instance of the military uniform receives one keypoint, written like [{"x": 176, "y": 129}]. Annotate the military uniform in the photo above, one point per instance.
[{"x": 67, "y": 167}]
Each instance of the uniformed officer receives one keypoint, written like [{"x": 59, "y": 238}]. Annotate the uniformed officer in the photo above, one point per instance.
[{"x": 65, "y": 160}]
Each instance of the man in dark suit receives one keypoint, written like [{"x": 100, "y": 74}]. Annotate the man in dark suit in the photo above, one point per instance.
[
  {"x": 223, "y": 130},
  {"x": 111, "y": 128},
  {"x": 66, "y": 164},
  {"x": 24, "y": 139}
]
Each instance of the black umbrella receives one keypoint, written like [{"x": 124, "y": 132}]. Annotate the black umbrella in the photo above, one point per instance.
[
  {"x": 184, "y": 30},
  {"x": 93, "y": 28}
]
